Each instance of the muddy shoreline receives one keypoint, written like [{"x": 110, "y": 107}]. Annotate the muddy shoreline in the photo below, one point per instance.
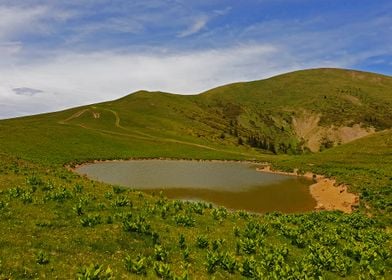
[{"x": 328, "y": 194}]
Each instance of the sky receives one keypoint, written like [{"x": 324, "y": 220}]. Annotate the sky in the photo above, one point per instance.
[{"x": 57, "y": 54}]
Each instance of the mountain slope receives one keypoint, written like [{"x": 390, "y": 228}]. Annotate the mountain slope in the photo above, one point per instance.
[
  {"x": 320, "y": 105},
  {"x": 290, "y": 113}
]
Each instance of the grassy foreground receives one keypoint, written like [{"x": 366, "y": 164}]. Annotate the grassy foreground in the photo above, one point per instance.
[
  {"x": 58, "y": 225},
  {"x": 55, "y": 224}
]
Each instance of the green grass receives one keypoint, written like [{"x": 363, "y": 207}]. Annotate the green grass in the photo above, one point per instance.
[{"x": 55, "y": 224}]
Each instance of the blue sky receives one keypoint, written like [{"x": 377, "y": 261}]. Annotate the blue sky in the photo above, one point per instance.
[{"x": 55, "y": 54}]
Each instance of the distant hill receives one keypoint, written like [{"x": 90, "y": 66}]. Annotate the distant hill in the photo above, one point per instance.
[{"x": 293, "y": 113}]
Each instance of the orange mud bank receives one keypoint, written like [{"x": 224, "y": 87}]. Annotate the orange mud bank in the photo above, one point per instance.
[{"x": 328, "y": 195}]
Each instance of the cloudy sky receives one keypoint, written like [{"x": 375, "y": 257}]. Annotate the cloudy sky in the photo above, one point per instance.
[{"x": 56, "y": 54}]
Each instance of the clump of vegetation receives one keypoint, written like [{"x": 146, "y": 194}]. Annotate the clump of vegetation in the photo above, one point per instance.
[
  {"x": 95, "y": 272},
  {"x": 42, "y": 258},
  {"x": 136, "y": 266}
]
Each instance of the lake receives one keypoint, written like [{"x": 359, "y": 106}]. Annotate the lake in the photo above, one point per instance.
[{"x": 235, "y": 185}]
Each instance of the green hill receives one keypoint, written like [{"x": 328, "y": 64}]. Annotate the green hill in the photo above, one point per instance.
[
  {"x": 291, "y": 113},
  {"x": 54, "y": 224}
]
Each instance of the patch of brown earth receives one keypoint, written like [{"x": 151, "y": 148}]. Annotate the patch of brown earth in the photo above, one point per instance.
[
  {"x": 354, "y": 100},
  {"x": 332, "y": 197},
  {"x": 96, "y": 115},
  {"x": 346, "y": 134},
  {"x": 306, "y": 126}
]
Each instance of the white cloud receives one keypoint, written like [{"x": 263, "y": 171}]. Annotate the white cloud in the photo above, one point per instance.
[
  {"x": 10, "y": 48},
  {"x": 16, "y": 20},
  {"x": 197, "y": 25},
  {"x": 74, "y": 79}
]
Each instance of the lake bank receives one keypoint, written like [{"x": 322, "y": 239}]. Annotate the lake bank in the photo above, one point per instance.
[{"x": 326, "y": 192}]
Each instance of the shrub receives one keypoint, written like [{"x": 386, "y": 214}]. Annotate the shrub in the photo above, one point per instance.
[
  {"x": 160, "y": 253},
  {"x": 95, "y": 272},
  {"x": 219, "y": 213},
  {"x": 202, "y": 242},
  {"x": 15, "y": 192},
  {"x": 91, "y": 220},
  {"x": 163, "y": 271},
  {"x": 26, "y": 197},
  {"x": 254, "y": 229},
  {"x": 185, "y": 255},
  {"x": 137, "y": 266},
  {"x": 228, "y": 263},
  {"x": 181, "y": 241},
  {"x": 78, "y": 188},
  {"x": 139, "y": 225},
  {"x": 198, "y": 207},
  {"x": 217, "y": 244},
  {"x": 108, "y": 195},
  {"x": 59, "y": 195},
  {"x": 121, "y": 202},
  {"x": 78, "y": 209},
  {"x": 184, "y": 220},
  {"x": 177, "y": 205},
  {"x": 34, "y": 182},
  {"x": 212, "y": 261},
  {"x": 248, "y": 245},
  {"x": 42, "y": 258},
  {"x": 249, "y": 268}
]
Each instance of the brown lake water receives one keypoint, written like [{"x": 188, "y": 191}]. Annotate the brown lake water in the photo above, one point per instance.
[{"x": 235, "y": 185}]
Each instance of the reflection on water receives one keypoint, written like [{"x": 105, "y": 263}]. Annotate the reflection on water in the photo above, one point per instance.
[{"x": 234, "y": 185}]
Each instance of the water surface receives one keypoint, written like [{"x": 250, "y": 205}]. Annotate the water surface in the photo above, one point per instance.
[{"x": 235, "y": 185}]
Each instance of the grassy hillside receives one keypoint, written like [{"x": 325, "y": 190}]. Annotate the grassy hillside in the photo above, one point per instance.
[
  {"x": 54, "y": 224},
  {"x": 364, "y": 164},
  {"x": 284, "y": 114}
]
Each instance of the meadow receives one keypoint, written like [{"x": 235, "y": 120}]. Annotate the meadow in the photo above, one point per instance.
[{"x": 56, "y": 224}]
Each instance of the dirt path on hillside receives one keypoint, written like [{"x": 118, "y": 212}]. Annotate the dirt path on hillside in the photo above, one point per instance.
[
  {"x": 140, "y": 135},
  {"x": 74, "y": 116},
  {"x": 327, "y": 194}
]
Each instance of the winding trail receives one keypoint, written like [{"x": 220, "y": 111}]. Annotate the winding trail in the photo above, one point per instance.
[
  {"x": 141, "y": 135},
  {"x": 74, "y": 116}
]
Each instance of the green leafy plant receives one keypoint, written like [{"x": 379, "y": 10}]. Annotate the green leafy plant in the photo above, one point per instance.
[
  {"x": 95, "y": 272},
  {"x": 121, "y": 201},
  {"x": 212, "y": 261},
  {"x": 78, "y": 188},
  {"x": 78, "y": 209},
  {"x": 163, "y": 271},
  {"x": 41, "y": 258},
  {"x": 26, "y": 197},
  {"x": 228, "y": 263},
  {"x": 91, "y": 220},
  {"x": 181, "y": 241},
  {"x": 184, "y": 220},
  {"x": 160, "y": 253},
  {"x": 202, "y": 242},
  {"x": 137, "y": 266}
]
